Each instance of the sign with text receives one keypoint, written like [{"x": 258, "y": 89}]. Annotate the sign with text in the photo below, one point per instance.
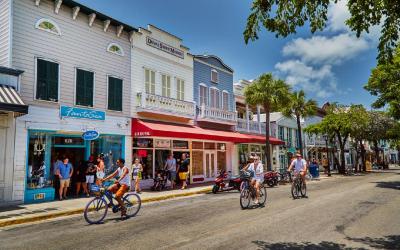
[
  {"x": 164, "y": 47},
  {"x": 90, "y": 135},
  {"x": 80, "y": 113}
]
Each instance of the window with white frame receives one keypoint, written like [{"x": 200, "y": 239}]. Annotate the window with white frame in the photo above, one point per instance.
[
  {"x": 214, "y": 98},
  {"x": 48, "y": 26},
  {"x": 166, "y": 85},
  {"x": 214, "y": 75},
  {"x": 203, "y": 95},
  {"x": 150, "y": 81},
  {"x": 180, "y": 89},
  {"x": 115, "y": 49},
  {"x": 225, "y": 100}
]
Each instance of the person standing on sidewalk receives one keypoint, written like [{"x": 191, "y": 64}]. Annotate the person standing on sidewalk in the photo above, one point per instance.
[
  {"x": 325, "y": 165},
  {"x": 80, "y": 178},
  {"x": 137, "y": 169},
  {"x": 100, "y": 168},
  {"x": 56, "y": 180},
  {"x": 90, "y": 172},
  {"x": 170, "y": 167},
  {"x": 183, "y": 170},
  {"x": 65, "y": 171}
]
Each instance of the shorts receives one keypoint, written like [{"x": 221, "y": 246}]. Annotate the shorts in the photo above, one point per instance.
[
  {"x": 183, "y": 176},
  {"x": 258, "y": 179},
  {"x": 100, "y": 175},
  {"x": 64, "y": 183},
  {"x": 172, "y": 175},
  {"x": 90, "y": 179},
  {"x": 118, "y": 190}
]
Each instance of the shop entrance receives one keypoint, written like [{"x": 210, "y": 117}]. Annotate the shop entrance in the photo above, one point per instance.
[
  {"x": 210, "y": 165},
  {"x": 75, "y": 155}
]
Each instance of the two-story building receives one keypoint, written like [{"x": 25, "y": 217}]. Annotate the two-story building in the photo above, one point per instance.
[{"x": 76, "y": 81}]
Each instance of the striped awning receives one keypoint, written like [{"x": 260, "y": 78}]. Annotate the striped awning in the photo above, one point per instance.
[{"x": 10, "y": 100}]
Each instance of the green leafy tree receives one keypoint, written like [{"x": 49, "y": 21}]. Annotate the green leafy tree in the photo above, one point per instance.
[
  {"x": 384, "y": 83},
  {"x": 271, "y": 94},
  {"x": 283, "y": 17},
  {"x": 359, "y": 125},
  {"x": 299, "y": 107}
]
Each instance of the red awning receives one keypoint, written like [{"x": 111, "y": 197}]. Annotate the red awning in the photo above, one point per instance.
[{"x": 159, "y": 129}]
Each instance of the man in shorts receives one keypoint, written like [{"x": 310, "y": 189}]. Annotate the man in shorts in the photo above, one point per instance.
[
  {"x": 300, "y": 167},
  {"x": 121, "y": 186},
  {"x": 90, "y": 172},
  {"x": 170, "y": 167},
  {"x": 64, "y": 172}
]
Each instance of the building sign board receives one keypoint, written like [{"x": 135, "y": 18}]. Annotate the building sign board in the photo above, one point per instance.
[
  {"x": 164, "y": 47},
  {"x": 90, "y": 135},
  {"x": 80, "y": 113}
]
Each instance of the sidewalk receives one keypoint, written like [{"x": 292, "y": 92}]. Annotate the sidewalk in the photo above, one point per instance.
[{"x": 25, "y": 213}]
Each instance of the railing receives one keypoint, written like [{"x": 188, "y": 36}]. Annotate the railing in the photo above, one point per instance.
[
  {"x": 242, "y": 125},
  {"x": 219, "y": 114},
  {"x": 165, "y": 104}
]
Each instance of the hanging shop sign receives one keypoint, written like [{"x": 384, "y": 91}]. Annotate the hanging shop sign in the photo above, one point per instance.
[
  {"x": 90, "y": 135},
  {"x": 164, "y": 47},
  {"x": 80, "y": 113}
]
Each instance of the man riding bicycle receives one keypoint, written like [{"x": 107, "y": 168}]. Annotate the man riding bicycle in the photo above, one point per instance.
[
  {"x": 257, "y": 172},
  {"x": 121, "y": 186},
  {"x": 300, "y": 167}
]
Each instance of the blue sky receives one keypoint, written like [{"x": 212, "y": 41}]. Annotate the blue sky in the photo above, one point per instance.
[{"x": 332, "y": 65}]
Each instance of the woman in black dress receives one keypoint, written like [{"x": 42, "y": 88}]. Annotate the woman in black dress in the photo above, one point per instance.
[{"x": 80, "y": 178}]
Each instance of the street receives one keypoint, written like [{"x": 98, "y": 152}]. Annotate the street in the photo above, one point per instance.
[{"x": 355, "y": 212}]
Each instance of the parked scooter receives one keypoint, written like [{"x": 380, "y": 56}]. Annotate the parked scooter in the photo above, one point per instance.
[
  {"x": 271, "y": 178},
  {"x": 225, "y": 182}
]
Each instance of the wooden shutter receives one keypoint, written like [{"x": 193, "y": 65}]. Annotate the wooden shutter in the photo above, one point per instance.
[
  {"x": 84, "y": 88},
  {"x": 114, "y": 94},
  {"x": 47, "y": 81}
]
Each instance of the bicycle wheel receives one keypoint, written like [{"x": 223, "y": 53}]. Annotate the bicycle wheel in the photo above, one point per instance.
[
  {"x": 245, "y": 198},
  {"x": 294, "y": 190},
  {"x": 132, "y": 204},
  {"x": 96, "y": 210},
  {"x": 303, "y": 189},
  {"x": 263, "y": 195}
]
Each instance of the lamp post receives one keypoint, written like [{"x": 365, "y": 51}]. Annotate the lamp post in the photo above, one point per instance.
[{"x": 326, "y": 137}]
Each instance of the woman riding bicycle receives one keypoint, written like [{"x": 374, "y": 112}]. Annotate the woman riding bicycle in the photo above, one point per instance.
[
  {"x": 257, "y": 173},
  {"x": 300, "y": 167}
]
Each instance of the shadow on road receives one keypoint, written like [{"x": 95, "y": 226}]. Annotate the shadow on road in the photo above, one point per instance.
[
  {"x": 388, "y": 184},
  {"x": 387, "y": 242}
]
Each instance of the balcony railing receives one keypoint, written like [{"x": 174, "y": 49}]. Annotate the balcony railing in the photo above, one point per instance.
[
  {"x": 242, "y": 125},
  {"x": 164, "y": 104},
  {"x": 217, "y": 114}
]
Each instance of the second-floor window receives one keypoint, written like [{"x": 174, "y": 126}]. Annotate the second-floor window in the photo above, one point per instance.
[
  {"x": 214, "y": 76},
  {"x": 84, "y": 88},
  {"x": 47, "y": 80},
  {"x": 281, "y": 133},
  {"x": 214, "y": 98},
  {"x": 289, "y": 136},
  {"x": 203, "y": 95},
  {"x": 114, "y": 94},
  {"x": 180, "y": 89},
  {"x": 166, "y": 85},
  {"x": 150, "y": 81},
  {"x": 225, "y": 100}
]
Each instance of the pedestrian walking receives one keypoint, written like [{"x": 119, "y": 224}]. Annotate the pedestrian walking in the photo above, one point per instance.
[
  {"x": 325, "y": 165},
  {"x": 100, "y": 168},
  {"x": 65, "y": 171},
  {"x": 170, "y": 167},
  {"x": 80, "y": 178},
  {"x": 137, "y": 170},
  {"x": 183, "y": 170},
  {"x": 90, "y": 173}
]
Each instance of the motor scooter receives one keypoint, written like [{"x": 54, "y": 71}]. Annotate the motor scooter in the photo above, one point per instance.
[
  {"x": 226, "y": 182},
  {"x": 271, "y": 178}
]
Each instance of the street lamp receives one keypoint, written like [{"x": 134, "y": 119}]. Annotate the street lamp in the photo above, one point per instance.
[{"x": 326, "y": 137}]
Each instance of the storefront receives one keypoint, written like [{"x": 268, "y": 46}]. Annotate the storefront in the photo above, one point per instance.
[{"x": 48, "y": 141}]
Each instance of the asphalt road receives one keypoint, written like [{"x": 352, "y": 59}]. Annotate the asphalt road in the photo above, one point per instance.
[{"x": 357, "y": 212}]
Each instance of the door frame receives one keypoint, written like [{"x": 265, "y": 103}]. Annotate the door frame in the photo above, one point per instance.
[{"x": 214, "y": 175}]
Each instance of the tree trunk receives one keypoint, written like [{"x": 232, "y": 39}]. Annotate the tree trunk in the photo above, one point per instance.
[
  {"x": 299, "y": 135},
  {"x": 342, "y": 166},
  {"x": 376, "y": 152},
  {"x": 267, "y": 142},
  {"x": 363, "y": 160},
  {"x": 357, "y": 167}
]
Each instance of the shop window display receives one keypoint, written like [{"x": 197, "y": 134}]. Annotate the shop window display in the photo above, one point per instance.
[
  {"x": 146, "y": 159},
  {"x": 221, "y": 161},
  {"x": 111, "y": 147},
  {"x": 197, "y": 162},
  {"x": 38, "y": 172}
]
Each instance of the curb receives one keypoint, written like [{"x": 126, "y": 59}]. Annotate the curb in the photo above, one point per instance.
[{"x": 10, "y": 222}]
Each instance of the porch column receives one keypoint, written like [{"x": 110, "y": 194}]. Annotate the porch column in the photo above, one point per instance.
[
  {"x": 247, "y": 118},
  {"x": 258, "y": 118}
]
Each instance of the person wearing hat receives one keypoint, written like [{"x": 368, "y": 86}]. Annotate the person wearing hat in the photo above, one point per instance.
[{"x": 300, "y": 167}]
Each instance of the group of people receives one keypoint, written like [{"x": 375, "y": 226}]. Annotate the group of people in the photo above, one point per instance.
[{"x": 83, "y": 175}]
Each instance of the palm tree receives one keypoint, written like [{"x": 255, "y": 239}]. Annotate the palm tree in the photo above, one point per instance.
[
  {"x": 299, "y": 107},
  {"x": 271, "y": 94}
]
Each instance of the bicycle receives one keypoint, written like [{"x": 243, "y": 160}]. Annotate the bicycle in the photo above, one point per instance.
[
  {"x": 298, "y": 187},
  {"x": 97, "y": 208},
  {"x": 248, "y": 192}
]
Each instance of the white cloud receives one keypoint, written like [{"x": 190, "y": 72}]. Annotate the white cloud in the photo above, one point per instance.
[
  {"x": 322, "y": 49},
  {"x": 337, "y": 15}
]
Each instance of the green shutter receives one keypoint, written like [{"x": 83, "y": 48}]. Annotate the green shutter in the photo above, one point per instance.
[
  {"x": 47, "y": 81},
  {"x": 114, "y": 94},
  {"x": 84, "y": 88}
]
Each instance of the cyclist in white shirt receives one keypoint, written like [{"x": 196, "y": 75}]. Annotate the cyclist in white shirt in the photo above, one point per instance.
[
  {"x": 300, "y": 167},
  {"x": 257, "y": 170}
]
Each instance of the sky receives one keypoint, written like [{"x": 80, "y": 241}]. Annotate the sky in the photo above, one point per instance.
[{"x": 332, "y": 65}]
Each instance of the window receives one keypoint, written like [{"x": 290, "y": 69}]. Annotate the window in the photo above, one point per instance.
[
  {"x": 180, "y": 89},
  {"x": 84, "y": 88},
  {"x": 225, "y": 100},
  {"x": 281, "y": 133},
  {"x": 115, "y": 49},
  {"x": 47, "y": 77},
  {"x": 214, "y": 76},
  {"x": 150, "y": 81},
  {"x": 214, "y": 98},
  {"x": 289, "y": 136},
  {"x": 203, "y": 95},
  {"x": 166, "y": 85},
  {"x": 48, "y": 26},
  {"x": 114, "y": 94}
]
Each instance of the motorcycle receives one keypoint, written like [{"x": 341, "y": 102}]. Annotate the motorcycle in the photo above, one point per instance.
[
  {"x": 225, "y": 182},
  {"x": 271, "y": 178}
]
